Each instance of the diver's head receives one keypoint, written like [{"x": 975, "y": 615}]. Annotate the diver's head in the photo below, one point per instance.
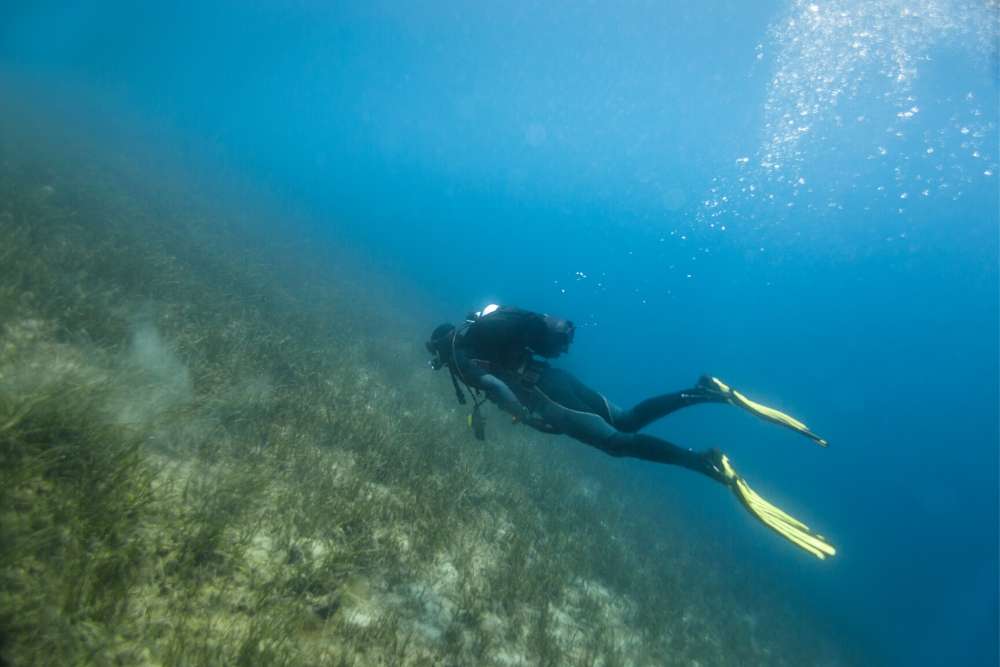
[{"x": 440, "y": 345}]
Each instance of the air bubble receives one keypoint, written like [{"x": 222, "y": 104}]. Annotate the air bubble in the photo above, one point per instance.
[{"x": 831, "y": 57}]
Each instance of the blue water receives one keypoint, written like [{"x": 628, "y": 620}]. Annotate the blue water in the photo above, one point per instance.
[{"x": 799, "y": 198}]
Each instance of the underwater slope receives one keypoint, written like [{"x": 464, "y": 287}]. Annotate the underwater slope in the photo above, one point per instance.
[{"x": 211, "y": 454}]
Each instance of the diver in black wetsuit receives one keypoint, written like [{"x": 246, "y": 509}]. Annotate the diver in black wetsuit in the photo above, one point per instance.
[{"x": 495, "y": 354}]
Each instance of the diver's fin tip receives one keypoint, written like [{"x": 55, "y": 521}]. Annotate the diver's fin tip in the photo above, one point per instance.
[
  {"x": 765, "y": 412},
  {"x": 774, "y": 518}
]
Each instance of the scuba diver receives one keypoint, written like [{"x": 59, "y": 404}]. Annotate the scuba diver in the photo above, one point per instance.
[{"x": 494, "y": 354}]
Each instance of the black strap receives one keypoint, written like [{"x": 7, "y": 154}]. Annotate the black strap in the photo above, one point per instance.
[
  {"x": 458, "y": 390},
  {"x": 478, "y": 396}
]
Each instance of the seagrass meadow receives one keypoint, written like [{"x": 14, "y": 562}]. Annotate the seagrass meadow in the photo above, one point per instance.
[{"x": 217, "y": 447}]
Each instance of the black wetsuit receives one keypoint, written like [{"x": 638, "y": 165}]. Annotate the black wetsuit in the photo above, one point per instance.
[{"x": 493, "y": 358}]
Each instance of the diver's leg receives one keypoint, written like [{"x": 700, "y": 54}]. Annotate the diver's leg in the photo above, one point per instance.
[
  {"x": 566, "y": 390},
  {"x": 648, "y": 411},
  {"x": 716, "y": 466},
  {"x": 650, "y": 448},
  {"x": 593, "y": 429}
]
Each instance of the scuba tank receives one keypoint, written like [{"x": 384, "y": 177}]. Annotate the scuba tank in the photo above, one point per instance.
[{"x": 506, "y": 326}]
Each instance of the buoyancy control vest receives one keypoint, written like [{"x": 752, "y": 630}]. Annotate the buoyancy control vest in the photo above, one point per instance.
[{"x": 502, "y": 340}]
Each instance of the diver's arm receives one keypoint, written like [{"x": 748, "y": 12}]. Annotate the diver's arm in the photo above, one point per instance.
[
  {"x": 500, "y": 393},
  {"x": 495, "y": 388},
  {"x": 467, "y": 371}
]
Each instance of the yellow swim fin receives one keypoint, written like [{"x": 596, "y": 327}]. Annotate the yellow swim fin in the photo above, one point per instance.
[
  {"x": 762, "y": 411},
  {"x": 771, "y": 516}
]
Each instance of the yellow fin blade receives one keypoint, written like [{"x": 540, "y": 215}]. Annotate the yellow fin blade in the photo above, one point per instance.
[
  {"x": 781, "y": 522},
  {"x": 774, "y": 415}
]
